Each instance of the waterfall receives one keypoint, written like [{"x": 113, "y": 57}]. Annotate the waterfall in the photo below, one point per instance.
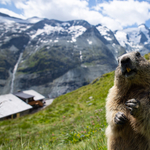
[{"x": 14, "y": 72}]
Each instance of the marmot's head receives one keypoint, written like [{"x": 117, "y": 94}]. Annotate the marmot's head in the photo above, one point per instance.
[{"x": 132, "y": 68}]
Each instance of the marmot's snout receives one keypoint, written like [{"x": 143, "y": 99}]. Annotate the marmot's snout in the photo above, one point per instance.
[
  {"x": 126, "y": 66},
  {"x": 125, "y": 61}
]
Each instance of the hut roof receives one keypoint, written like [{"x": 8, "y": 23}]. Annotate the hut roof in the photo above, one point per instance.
[
  {"x": 23, "y": 95},
  {"x": 10, "y": 104},
  {"x": 37, "y": 96}
]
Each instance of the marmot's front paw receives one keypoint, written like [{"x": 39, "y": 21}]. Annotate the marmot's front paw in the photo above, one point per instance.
[
  {"x": 133, "y": 105},
  {"x": 120, "y": 118}
]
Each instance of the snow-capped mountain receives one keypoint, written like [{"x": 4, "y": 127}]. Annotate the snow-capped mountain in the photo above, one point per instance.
[
  {"x": 113, "y": 44},
  {"x": 53, "y": 57},
  {"x": 135, "y": 39}
]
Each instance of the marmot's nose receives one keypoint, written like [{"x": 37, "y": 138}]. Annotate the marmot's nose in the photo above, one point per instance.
[{"x": 125, "y": 61}]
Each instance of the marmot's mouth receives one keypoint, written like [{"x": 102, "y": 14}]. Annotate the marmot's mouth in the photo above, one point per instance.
[{"x": 128, "y": 72}]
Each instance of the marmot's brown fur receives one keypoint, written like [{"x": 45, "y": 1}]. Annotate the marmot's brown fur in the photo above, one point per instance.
[{"x": 128, "y": 105}]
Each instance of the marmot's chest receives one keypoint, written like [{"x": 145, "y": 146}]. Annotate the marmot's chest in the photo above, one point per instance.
[
  {"x": 142, "y": 95},
  {"x": 138, "y": 93}
]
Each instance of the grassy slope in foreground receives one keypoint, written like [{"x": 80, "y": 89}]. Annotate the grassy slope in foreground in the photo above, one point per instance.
[{"x": 75, "y": 121}]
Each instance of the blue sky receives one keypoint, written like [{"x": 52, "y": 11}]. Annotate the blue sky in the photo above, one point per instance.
[{"x": 115, "y": 14}]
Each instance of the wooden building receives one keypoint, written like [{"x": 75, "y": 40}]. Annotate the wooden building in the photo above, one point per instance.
[
  {"x": 31, "y": 97},
  {"x": 12, "y": 107}
]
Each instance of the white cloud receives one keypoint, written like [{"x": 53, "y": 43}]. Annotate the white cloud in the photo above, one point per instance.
[
  {"x": 5, "y": 2},
  {"x": 114, "y": 14},
  {"x": 59, "y": 9},
  {"x": 64, "y": 10},
  {"x": 125, "y": 12}
]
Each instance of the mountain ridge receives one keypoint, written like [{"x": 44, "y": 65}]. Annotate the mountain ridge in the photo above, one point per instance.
[
  {"x": 58, "y": 56},
  {"x": 135, "y": 39}
]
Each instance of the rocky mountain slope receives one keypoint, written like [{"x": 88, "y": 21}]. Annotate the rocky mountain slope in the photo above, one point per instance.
[{"x": 53, "y": 57}]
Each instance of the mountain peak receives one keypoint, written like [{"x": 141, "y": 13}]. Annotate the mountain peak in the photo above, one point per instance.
[
  {"x": 4, "y": 15},
  {"x": 143, "y": 26},
  {"x": 98, "y": 25}
]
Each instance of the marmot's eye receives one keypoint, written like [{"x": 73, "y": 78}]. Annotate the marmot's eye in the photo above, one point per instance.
[{"x": 138, "y": 54}]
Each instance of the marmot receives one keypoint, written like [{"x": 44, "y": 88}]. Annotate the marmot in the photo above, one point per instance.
[{"x": 128, "y": 105}]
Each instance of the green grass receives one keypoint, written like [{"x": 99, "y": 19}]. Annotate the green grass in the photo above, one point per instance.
[
  {"x": 74, "y": 121},
  {"x": 147, "y": 56}
]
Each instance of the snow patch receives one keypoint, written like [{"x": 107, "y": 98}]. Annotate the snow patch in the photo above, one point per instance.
[
  {"x": 145, "y": 31},
  {"x": 55, "y": 41},
  {"x": 90, "y": 42},
  {"x": 47, "y": 29},
  {"x": 73, "y": 39},
  {"x": 65, "y": 24},
  {"x": 121, "y": 37},
  {"x": 107, "y": 38},
  {"x": 33, "y": 20},
  {"x": 44, "y": 41},
  {"x": 76, "y": 31},
  {"x": 103, "y": 30},
  {"x": 81, "y": 55}
]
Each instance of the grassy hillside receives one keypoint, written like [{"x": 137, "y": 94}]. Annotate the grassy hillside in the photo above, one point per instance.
[
  {"x": 75, "y": 121},
  {"x": 147, "y": 56}
]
